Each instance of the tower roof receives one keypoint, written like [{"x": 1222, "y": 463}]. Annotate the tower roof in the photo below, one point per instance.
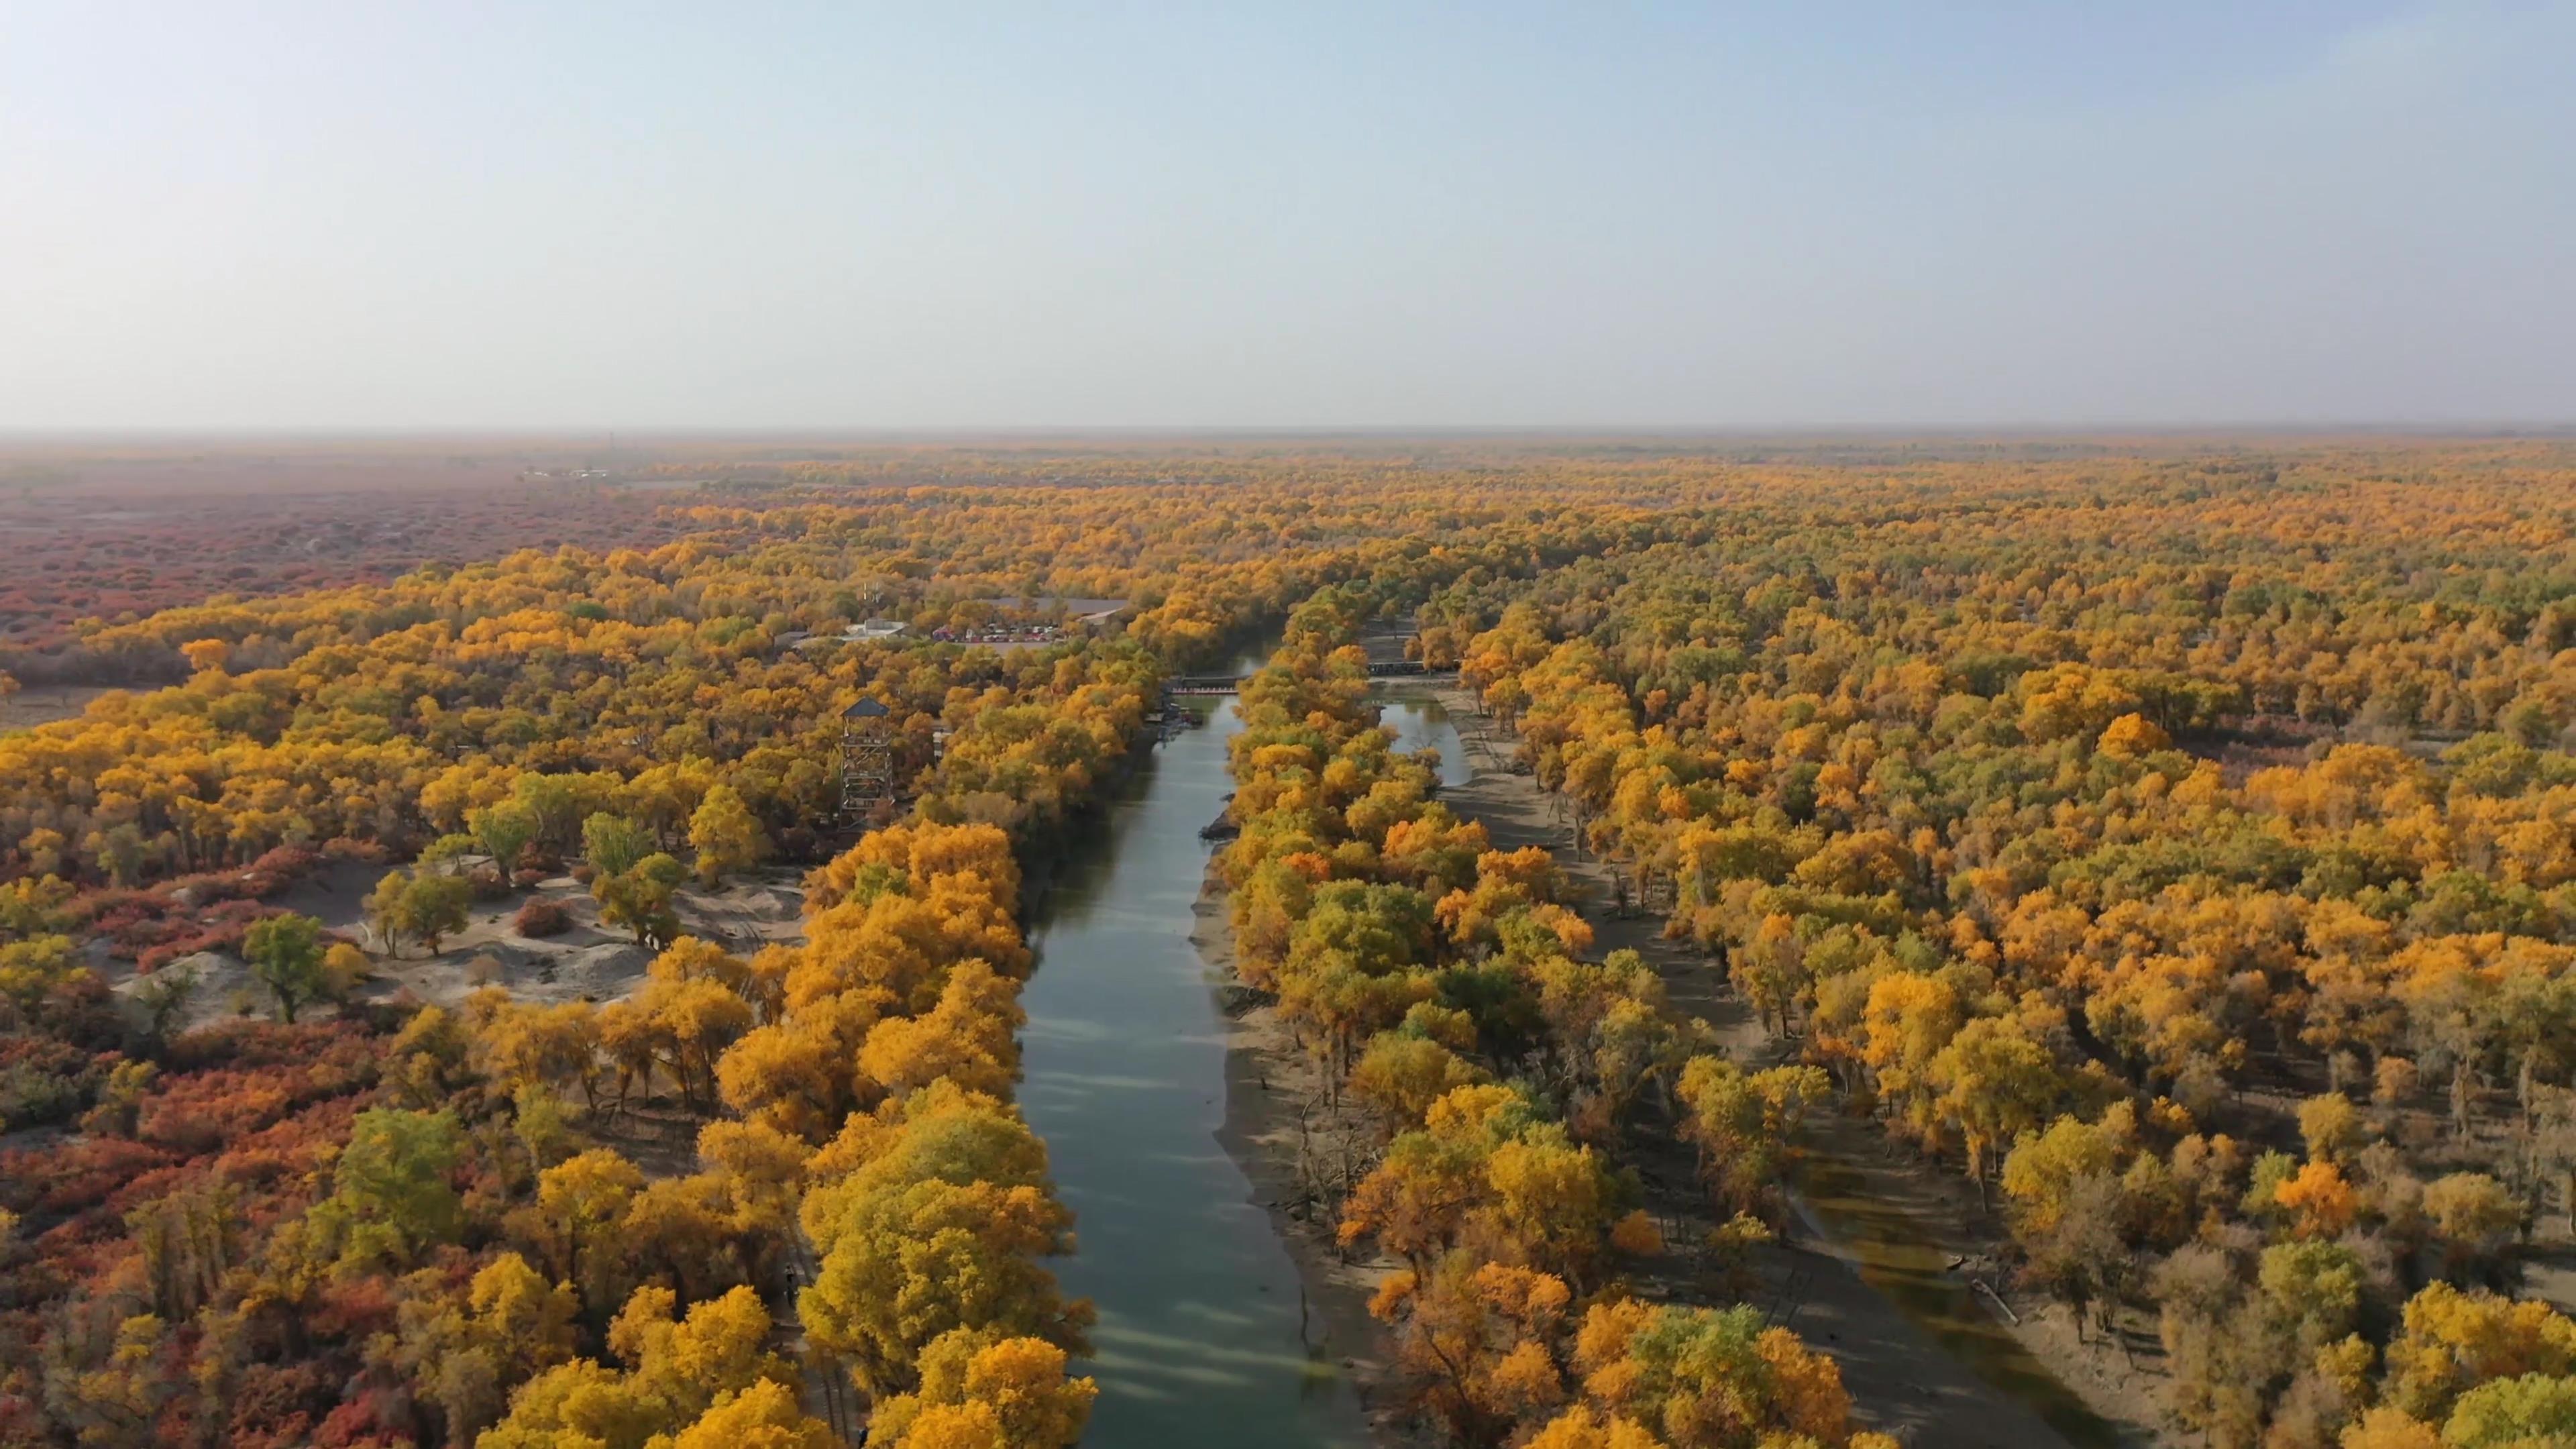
[{"x": 865, "y": 709}]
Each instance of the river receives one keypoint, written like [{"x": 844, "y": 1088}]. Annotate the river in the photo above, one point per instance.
[
  {"x": 1203, "y": 1337},
  {"x": 1422, "y": 722}
]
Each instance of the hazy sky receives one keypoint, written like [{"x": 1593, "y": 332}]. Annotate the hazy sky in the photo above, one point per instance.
[{"x": 1298, "y": 214}]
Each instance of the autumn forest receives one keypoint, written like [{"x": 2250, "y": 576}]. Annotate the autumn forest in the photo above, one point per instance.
[{"x": 1893, "y": 937}]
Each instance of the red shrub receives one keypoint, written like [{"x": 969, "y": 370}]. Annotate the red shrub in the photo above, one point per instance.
[
  {"x": 276, "y": 1404},
  {"x": 200, "y": 1112},
  {"x": 155, "y": 927},
  {"x": 69, "y": 1176},
  {"x": 286, "y": 864},
  {"x": 253, "y": 1042},
  {"x": 354, "y": 1308},
  {"x": 542, "y": 918},
  {"x": 372, "y": 1418},
  {"x": 105, "y": 910},
  {"x": 222, "y": 938}
]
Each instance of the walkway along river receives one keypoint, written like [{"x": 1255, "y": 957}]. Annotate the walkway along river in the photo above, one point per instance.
[{"x": 1203, "y": 1338}]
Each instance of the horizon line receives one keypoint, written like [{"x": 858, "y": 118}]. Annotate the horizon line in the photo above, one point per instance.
[{"x": 598, "y": 433}]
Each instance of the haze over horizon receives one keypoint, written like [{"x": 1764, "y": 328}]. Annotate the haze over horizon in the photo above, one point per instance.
[{"x": 310, "y": 218}]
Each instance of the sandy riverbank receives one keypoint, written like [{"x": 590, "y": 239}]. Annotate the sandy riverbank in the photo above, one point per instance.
[{"x": 1277, "y": 1131}]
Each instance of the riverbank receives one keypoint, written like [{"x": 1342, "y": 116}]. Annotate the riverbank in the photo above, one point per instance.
[
  {"x": 1281, "y": 1133},
  {"x": 1201, "y": 1336}
]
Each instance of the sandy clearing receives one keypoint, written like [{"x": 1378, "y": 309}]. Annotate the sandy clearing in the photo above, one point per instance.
[{"x": 586, "y": 962}]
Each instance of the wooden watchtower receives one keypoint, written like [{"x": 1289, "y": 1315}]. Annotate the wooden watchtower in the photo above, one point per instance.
[{"x": 867, "y": 761}]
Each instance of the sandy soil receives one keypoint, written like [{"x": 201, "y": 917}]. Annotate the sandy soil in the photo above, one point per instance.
[
  {"x": 1831, "y": 1288},
  {"x": 585, "y": 962},
  {"x": 1280, "y": 1129}
]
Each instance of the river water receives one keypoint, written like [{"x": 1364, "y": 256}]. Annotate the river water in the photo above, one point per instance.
[
  {"x": 1203, "y": 1336},
  {"x": 1420, "y": 722}
]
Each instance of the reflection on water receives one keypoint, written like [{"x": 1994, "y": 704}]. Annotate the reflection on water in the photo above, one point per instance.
[
  {"x": 1916, "y": 1277},
  {"x": 1203, "y": 1337},
  {"x": 1420, "y": 720}
]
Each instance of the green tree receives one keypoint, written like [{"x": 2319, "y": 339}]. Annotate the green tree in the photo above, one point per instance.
[
  {"x": 121, "y": 851},
  {"x": 640, "y": 899},
  {"x": 613, "y": 844},
  {"x": 434, "y": 906},
  {"x": 164, "y": 996},
  {"x": 427, "y": 905},
  {"x": 391, "y": 1197},
  {"x": 1352, "y": 966},
  {"x": 554, "y": 803},
  {"x": 446, "y": 848},
  {"x": 2531, "y": 1409},
  {"x": 285, "y": 954},
  {"x": 503, "y": 831}
]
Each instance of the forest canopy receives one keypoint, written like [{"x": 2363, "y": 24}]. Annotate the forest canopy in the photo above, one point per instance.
[{"x": 2172, "y": 842}]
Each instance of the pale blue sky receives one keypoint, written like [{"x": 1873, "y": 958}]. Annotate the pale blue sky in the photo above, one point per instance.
[{"x": 958, "y": 216}]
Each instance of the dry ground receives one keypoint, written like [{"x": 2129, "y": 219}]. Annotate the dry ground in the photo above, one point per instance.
[{"x": 585, "y": 962}]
